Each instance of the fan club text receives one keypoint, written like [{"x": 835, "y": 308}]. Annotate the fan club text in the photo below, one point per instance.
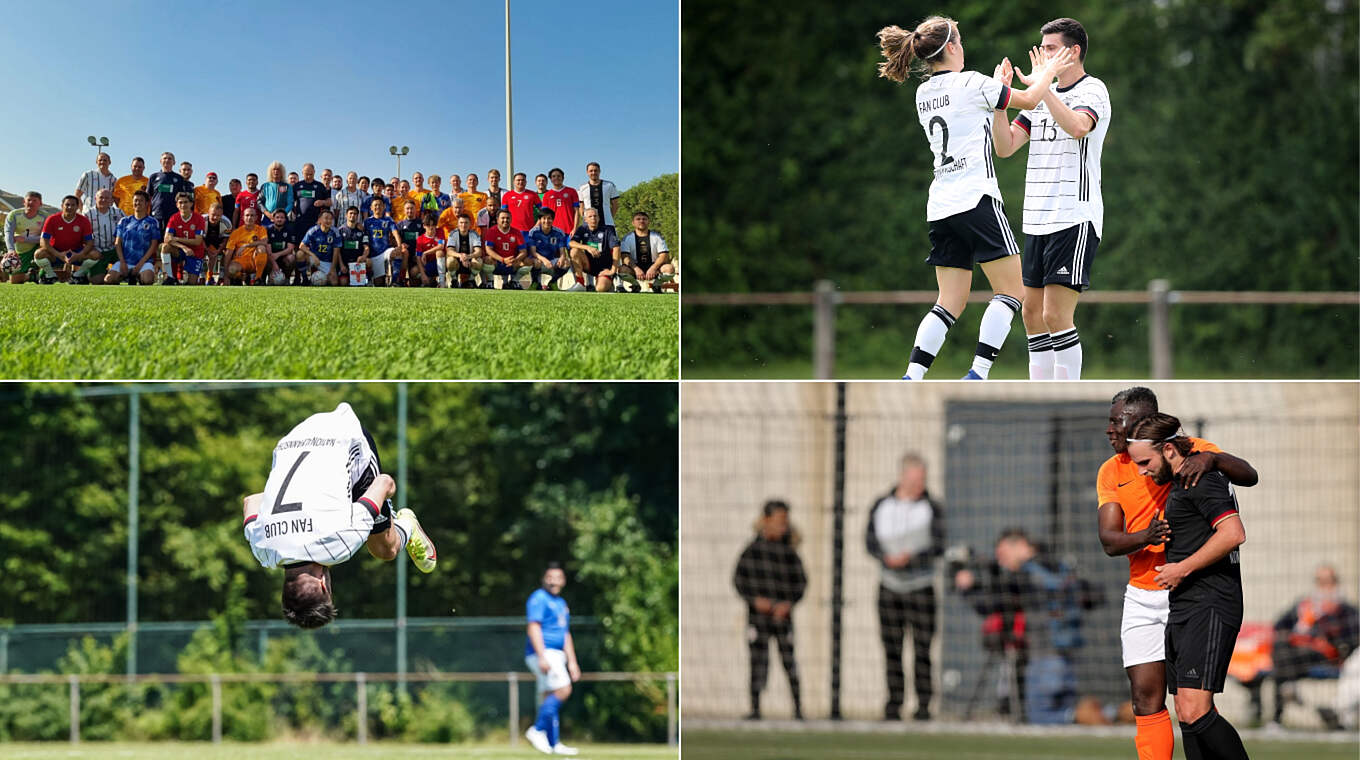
[{"x": 284, "y": 527}]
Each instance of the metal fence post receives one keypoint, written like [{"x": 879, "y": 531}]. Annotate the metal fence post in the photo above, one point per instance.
[
  {"x": 1159, "y": 328},
  {"x": 512, "y": 686},
  {"x": 671, "y": 737},
  {"x": 4, "y": 652},
  {"x": 824, "y": 331},
  {"x": 361, "y": 685},
  {"x": 75, "y": 709},
  {"x": 216, "y": 708},
  {"x": 134, "y": 477},
  {"x": 402, "y": 501},
  {"x": 263, "y": 643},
  {"x": 838, "y": 552}
]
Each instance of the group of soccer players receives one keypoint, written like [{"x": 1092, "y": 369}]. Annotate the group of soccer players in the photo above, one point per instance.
[
  {"x": 334, "y": 231},
  {"x": 963, "y": 114},
  {"x": 1167, "y": 502}
]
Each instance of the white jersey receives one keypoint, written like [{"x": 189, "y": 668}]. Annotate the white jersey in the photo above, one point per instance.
[
  {"x": 104, "y": 227},
  {"x": 310, "y": 512},
  {"x": 656, "y": 245},
  {"x": 1062, "y": 180},
  {"x": 604, "y": 192},
  {"x": 91, "y": 182},
  {"x": 955, "y": 109}
]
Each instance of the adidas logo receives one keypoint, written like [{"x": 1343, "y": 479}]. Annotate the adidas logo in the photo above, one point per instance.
[
  {"x": 1192, "y": 674},
  {"x": 1063, "y": 270}
]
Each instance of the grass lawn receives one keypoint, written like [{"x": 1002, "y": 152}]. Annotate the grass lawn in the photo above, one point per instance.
[
  {"x": 231, "y": 333},
  {"x": 320, "y": 749},
  {"x": 766, "y": 745}
]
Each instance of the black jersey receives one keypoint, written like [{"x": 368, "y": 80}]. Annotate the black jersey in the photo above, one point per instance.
[
  {"x": 280, "y": 237},
  {"x": 407, "y": 231},
  {"x": 1193, "y": 513},
  {"x": 163, "y": 187},
  {"x": 305, "y": 195},
  {"x": 352, "y": 241}
]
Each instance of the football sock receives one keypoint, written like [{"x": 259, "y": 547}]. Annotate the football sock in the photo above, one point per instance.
[
  {"x": 996, "y": 325},
  {"x": 1190, "y": 743},
  {"x": 1216, "y": 737},
  {"x": 488, "y": 273},
  {"x": 1040, "y": 356},
  {"x": 537, "y": 277},
  {"x": 547, "y": 718},
  {"x": 929, "y": 338},
  {"x": 169, "y": 267},
  {"x": 85, "y": 267},
  {"x": 1155, "y": 740},
  {"x": 1067, "y": 355},
  {"x": 45, "y": 266},
  {"x": 443, "y": 268}
]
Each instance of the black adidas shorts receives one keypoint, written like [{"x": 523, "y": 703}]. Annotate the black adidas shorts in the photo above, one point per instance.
[
  {"x": 1060, "y": 258},
  {"x": 1198, "y": 651},
  {"x": 972, "y": 237},
  {"x": 384, "y": 516}
]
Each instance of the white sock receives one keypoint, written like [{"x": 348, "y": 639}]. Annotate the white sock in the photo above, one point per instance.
[
  {"x": 929, "y": 338},
  {"x": 86, "y": 266},
  {"x": 1067, "y": 355},
  {"x": 443, "y": 267},
  {"x": 996, "y": 325},
  {"x": 169, "y": 267},
  {"x": 1040, "y": 356},
  {"x": 45, "y": 266}
]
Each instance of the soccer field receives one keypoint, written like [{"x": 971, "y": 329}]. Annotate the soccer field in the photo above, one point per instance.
[
  {"x": 772, "y": 745},
  {"x": 197, "y": 333},
  {"x": 326, "y": 750}
]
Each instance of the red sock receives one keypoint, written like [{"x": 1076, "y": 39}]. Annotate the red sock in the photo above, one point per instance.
[{"x": 1155, "y": 739}]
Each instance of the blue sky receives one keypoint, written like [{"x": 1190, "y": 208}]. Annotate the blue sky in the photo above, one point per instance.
[{"x": 232, "y": 86}]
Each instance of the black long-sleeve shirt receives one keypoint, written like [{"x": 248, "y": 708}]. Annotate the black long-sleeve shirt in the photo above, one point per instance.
[{"x": 770, "y": 569}]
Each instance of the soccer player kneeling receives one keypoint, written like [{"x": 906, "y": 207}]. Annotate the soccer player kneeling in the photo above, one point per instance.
[
  {"x": 1204, "y": 575},
  {"x": 320, "y": 505}
]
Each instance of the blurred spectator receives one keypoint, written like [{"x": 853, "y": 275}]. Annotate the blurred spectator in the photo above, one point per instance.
[
  {"x": 906, "y": 534},
  {"x": 770, "y": 578}
]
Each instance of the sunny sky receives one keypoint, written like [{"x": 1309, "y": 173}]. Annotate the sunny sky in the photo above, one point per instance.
[{"x": 233, "y": 86}]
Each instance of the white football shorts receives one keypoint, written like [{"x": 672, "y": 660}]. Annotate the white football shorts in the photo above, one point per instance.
[
  {"x": 557, "y": 675},
  {"x": 1142, "y": 631},
  {"x": 378, "y": 262}
]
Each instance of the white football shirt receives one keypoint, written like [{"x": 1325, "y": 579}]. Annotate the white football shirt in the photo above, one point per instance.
[
  {"x": 654, "y": 239},
  {"x": 955, "y": 109},
  {"x": 91, "y": 182},
  {"x": 307, "y": 514},
  {"x": 607, "y": 191},
  {"x": 1062, "y": 180}
]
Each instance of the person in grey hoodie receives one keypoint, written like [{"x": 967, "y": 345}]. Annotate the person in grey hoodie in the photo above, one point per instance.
[{"x": 906, "y": 535}]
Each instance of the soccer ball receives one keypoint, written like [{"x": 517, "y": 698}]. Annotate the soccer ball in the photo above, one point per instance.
[
  {"x": 318, "y": 277},
  {"x": 9, "y": 263},
  {"x": 277, "y": 278}
]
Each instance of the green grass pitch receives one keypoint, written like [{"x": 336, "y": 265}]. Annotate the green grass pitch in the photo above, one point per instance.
[
  {"x": 320, "y": 749},
  {"x": 207, "y": 333},
  {"x": 768, "y": 745}
]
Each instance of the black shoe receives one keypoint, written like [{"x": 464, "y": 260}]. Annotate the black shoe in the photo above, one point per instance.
[
  {"x": 922, "y": 713},
  {"x": 169, "y": 281},
  {"x": 892, "y": 712},
  {"x": 797, "y": 713},
  {"x": 79, "y": 280},
  {"x": 514, "y": 285},
  {"x": 487, "y": 285},
  {"x": 47, "y": 280},
  {"x": 753, "y": 715}
]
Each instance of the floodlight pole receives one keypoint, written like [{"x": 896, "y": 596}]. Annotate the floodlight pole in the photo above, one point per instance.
[
  {"x": 134, "y": 446},
  {"x": 509, "y": 120}
]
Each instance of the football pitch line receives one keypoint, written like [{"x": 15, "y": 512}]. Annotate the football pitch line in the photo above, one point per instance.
[{"x": 204, "y": 333}]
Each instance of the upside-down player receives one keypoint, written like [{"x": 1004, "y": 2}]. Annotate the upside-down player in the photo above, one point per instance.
[
  {"x": 320, "y": 505},
  {"x": 1131, "y": 506}
]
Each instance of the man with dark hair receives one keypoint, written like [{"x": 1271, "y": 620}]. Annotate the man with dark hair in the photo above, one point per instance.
[
  {"x": 23, "y": 235},
  {"x": 67, "y": 241},
  {"x": 644, "y": 257},
  {"x": 164, "y": 188},
  {"x": 320, "y": 505},
  {"x": 1203, "y": 575},
  {"x": 599, "y": 194},
  {"x": 551, "y": 656},
  {"x": 905, "y": 534},
  {"x": 770, "y": 579},
  {"x": 1130, "y": 523}
]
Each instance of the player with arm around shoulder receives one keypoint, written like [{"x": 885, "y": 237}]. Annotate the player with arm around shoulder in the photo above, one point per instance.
[
  {"x": 958, "y": 111},
  {"x": 1203, "y": 575},
  {"x": 1064, "y": 209},
  {"x": 551, "y": 656},
  {"x": 326, "y": 497}
]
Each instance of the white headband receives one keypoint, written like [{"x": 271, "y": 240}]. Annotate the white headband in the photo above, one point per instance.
[
  {"x": 1167, "y": 439},
  {"x": 947, "y": 35}
]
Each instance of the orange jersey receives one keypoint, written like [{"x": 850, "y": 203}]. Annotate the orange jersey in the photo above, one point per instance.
[
  {"x": 245, "y": 236},
  {"x": 472, "y": 203},
  {"x": 204, "y": 198},
  {"x": 123, "y": 189},
  {"x": 448, "y": 222},
  {"x": 1139, "y": 498}
]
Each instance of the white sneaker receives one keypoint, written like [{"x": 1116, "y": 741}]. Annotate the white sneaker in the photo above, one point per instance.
[
  {"x": 539, "y": 740},
  {"x": 562, "y": 749}
]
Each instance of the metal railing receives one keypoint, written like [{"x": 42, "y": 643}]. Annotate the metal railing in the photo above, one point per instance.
[
  {"x": 1159, "y": 297},
  {"x": 512, "y": 679}
]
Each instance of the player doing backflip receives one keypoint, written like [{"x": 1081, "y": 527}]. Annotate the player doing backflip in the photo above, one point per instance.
[
  {"x": 326, "y": 497},
  {"x": 958, "y": 111}
]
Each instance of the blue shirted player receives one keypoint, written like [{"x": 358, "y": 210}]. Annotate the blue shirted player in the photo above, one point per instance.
[
  {"x": 549, "y": 246},
  {"x": 318, "y": 247},
  {"x": 551, "y": 657}
]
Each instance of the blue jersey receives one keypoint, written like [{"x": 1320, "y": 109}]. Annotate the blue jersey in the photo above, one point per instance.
[
  {"x": 322, "y": 243},
  {"x": 548, "y": 244},
  {"x": 137, "y": 235},
  {"x": 552, "y": 614},
  {"x": 378, "y": 233}
]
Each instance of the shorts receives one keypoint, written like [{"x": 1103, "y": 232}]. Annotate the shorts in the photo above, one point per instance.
[
  {"x": 972, "y": 237},
  {"x": 117, "y": 266},
  {"x": 193, "y": 265},
  {"x": 1198, "y": 651},
  {"x": 599, "y": 264},
  {"x": 504, "y": 270},
  {"x": 1142, "y": 630},
  {"x": 26, "y": 261},
  {"x": 324, "y": 267},
  {"x": 431, "y": 267},
  {"x": 557, "y": 675},
  {"x": 106, "y": 258},
  {"x": 377, "y": 263},
  {"x": 1060, "y": 258}
]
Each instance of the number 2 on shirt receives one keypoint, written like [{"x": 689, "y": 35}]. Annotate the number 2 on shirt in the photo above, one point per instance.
[{"x": 945, "y": 158}]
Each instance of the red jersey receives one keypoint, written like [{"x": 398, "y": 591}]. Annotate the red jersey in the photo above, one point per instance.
[
  {"x": 522, "y": 207},
  {"x": 426, "y": 245},
  {"x": 193, "y": 227},
  {"x": 67, "y": 237},
  {"x": 504, "y": 244},
  {"x": 564, "y": 203},
  {"x": 244, "y": 200}
]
